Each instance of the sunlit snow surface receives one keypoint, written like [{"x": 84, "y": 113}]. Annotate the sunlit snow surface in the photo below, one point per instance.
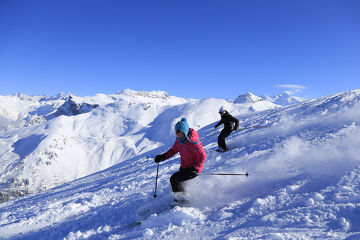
[{"x": 304, "y": 171}]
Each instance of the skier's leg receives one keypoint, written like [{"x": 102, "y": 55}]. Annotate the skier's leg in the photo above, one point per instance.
[
  {"x": 176, "y": 182},
  {"x": 177, "y": 178},
  {"x": 221, "y": 139},
  {"x": 225, "y": 136}
]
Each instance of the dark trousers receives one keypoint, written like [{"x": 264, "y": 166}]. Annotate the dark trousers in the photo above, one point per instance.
[
  {"x": 221, "y": 139},
  {"x": 182, "y": 175}
]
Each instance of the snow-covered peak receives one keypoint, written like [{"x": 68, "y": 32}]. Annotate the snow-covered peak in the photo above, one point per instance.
[
  {"x": 148, "y": 97},
  {"x": 19, "y": 110},
  {"x": 247, "y": 98},
  {"x": 254, "y": 102},
  {"x": 71, "y": 108},
  {"x": 285, "y": 98},
  {"x": 59, "y": 96},
  {"x": 146, "y": 94}
]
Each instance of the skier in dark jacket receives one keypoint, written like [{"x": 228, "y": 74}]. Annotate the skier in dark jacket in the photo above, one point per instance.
[{"x": 230, "y": 124}]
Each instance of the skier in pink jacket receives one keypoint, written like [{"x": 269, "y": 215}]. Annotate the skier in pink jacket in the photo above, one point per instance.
[{"x": 192, "y": 156}]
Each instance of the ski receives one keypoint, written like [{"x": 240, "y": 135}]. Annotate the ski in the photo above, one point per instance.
[{"x": 139, "y": 221}]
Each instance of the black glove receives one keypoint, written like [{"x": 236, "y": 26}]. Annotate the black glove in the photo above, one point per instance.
[{"x": 159, "y": 158}]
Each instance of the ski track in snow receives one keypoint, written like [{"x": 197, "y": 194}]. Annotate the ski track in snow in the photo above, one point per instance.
[{"x": 304, "y": 179}]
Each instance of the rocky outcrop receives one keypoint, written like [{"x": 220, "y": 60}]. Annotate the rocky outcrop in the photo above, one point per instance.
[{"x": 71, "y": 108}]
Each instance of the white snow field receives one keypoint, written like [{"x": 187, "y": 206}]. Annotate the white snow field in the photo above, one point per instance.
[{"x": 304, "y": 180}]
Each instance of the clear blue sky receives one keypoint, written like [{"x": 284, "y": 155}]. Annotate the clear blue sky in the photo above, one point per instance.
[{"x": 188, "y": 48}]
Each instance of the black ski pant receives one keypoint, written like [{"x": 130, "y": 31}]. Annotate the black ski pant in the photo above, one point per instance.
[
  {"x": 221, "y": 139},
  {"x": 182, "y": 175}
]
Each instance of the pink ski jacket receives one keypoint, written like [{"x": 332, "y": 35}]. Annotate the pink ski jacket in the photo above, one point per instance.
[{"x": 192, "y": 155}]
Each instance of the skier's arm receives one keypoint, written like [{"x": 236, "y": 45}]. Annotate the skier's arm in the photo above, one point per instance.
[
  {"x": 171, "y": 152},
  {"x": 219, "y": 123}
]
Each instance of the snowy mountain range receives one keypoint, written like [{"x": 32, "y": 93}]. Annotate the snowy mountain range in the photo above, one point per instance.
[
  {"x": 49, "y": 141},
  {"x": 283, "y": 99},
  {"x": 90, "y": 169}
]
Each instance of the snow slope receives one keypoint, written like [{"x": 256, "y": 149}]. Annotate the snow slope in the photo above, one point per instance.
[
  {"x": 304, "y": 180},
  {"x": 70, "y": 146}
]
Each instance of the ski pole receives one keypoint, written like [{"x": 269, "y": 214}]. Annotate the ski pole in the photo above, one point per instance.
[
  {"x": 157, "y": 174},
  {"x": 227, "y": 174}
]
